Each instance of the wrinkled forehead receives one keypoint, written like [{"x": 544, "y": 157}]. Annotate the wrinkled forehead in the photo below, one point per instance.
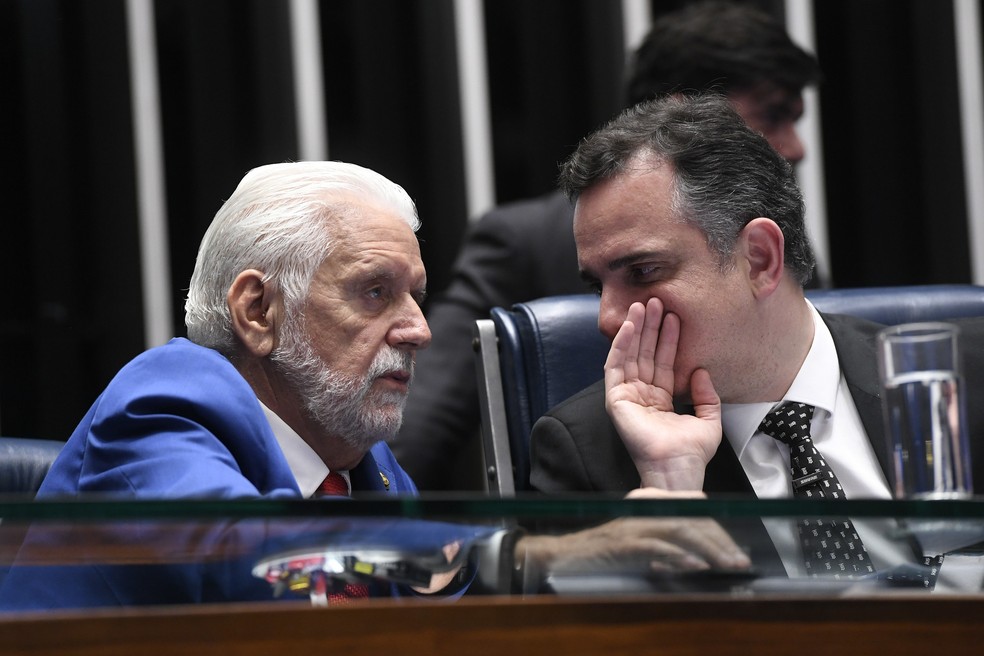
[{"x": 357, "y": 218}]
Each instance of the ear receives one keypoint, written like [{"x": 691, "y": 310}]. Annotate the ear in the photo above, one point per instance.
[
  {"x": 763, "y": 246},
  {"x": 254, "y": 312}
]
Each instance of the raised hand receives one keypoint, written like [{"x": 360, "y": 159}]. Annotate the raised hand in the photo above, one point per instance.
[{"x": 670, "y": 450}]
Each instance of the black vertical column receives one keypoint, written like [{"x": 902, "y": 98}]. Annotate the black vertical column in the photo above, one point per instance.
[
  {"x": 70, "y": 240},
  {"x": 227, "y": 104},
  {"x": 892, "y": 144}
]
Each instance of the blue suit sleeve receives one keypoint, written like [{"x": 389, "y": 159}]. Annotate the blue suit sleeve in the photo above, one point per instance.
[{"x": 177, "y": 422}]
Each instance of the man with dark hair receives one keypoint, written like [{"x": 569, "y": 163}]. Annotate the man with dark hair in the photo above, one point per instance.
[
  {"x": 690, "y": 227},
  {"x": 525, "y": 250}
]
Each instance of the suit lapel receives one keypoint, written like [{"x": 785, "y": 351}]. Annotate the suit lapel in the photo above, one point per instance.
[
  {"x": 365, "y": 476},
  {"x": 724, "y": 474},
  {"x": 854, "y": 340}
]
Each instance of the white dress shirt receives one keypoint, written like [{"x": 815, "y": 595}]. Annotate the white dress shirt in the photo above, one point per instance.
[
  {"x": 838, "y": 434},
  {"x": 308, "y": 469}
]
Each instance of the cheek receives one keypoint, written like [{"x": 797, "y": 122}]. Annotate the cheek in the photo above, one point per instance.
[
  {"x": 691, "y": 351},
  {"x": 707, "y": 328},
  {"x": 718, "y": 343},
  {"x": 358, "y": 355},
  {"x": 345, "y": 352}
]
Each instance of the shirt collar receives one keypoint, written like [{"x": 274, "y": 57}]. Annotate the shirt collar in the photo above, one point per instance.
[
  {"x": 815, "y": 383},
  {"x": 308, "y": 469}
]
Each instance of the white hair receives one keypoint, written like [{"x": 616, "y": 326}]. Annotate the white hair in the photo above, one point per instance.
[{"x": 279, "y": 221}]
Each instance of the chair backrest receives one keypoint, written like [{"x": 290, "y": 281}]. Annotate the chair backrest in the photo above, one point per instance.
[
  {"x": 24, "y": 462},
  {"x": 537, "y": 354},
  {"x": 907, "y": 304},
  {"x": 530, "y": 359}
]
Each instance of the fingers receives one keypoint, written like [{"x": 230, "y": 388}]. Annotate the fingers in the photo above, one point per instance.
[
  {"x": 707, "y": 538},
  {"x": 692, "y": 544},
  {"x": 645, "y": 346},
  {"x": 622, "y": 362},
  {"x": 704, "y": 537},
  {"x": 631, "y": 544},
  {"x": 661, "y": 555},
  {"x": 665, "y": 357},
  {"x": 703, "y": 540},
  {"x": 649, "y": 338}
]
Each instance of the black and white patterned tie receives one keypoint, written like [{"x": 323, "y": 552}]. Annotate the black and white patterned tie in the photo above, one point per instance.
[{"x": 831, "y": 547}]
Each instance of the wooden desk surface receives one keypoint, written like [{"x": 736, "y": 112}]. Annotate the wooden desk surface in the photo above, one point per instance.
[{"x": 887, "y": 626}]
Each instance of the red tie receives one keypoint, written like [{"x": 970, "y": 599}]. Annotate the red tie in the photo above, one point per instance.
[
  {"x": 334, "y": 485},
  {"x": 320, "y": 594}
]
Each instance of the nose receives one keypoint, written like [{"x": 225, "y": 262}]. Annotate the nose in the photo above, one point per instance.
[
  {"x": 410, "y": 331},
  {"x": 611, "y": 315},
  {"x": 787, "y": 143}
]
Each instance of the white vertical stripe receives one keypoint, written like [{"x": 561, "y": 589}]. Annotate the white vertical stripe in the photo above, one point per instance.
[
  {"x": 309, "y": 80},
  {"x": 966, "y": 14},
  {"x": 637, "y": 18},
  {"x": 149, "y": 167},
  {"x": 473, "y": 90},
  {"x": 800, "y": 24}
]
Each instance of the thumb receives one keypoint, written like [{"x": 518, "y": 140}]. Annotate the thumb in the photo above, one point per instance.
[{"x": 707, "y": 403}]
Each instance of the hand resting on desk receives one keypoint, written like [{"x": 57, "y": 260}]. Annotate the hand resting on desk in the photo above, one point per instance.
[{"x": 634, "y": 543}]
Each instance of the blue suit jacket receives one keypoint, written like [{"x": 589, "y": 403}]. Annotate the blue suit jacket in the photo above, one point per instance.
[{"x": 177, "y": 422}]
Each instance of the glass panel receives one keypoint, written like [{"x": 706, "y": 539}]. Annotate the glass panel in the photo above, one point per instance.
[{"x": 79, "y": 553}]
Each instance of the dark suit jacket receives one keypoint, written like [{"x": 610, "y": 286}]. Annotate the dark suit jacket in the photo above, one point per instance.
[{"x": 575, "y": 448}]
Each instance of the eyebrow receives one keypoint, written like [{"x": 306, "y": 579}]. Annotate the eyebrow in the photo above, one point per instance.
[
  {"x": 632, "y": 258},
  {"x": 622, "y": 262},
  {"x": 376, "y": 272}
]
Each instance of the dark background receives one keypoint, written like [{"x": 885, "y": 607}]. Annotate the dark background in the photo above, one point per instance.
[{"x": 70, "y": 255}]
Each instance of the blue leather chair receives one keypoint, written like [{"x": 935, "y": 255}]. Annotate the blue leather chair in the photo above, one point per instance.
[
  {"x": 24, "y": 462},
  {"x": 537, "y": 354}
]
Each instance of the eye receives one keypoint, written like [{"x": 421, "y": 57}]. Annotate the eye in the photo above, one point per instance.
[
  {"x": 377, "y": 293},
  {"x": 592, "y": 284},
  {"x": 644, "y": 273}
]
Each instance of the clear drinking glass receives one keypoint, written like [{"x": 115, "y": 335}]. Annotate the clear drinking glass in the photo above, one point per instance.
[{"x": 924, "y": 410}]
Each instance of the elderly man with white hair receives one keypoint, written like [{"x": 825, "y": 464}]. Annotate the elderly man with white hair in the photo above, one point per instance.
[{"x": 303, "y": 318}]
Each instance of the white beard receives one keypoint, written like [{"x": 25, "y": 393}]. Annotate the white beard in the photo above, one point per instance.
[{"x": 343, "y": 406}]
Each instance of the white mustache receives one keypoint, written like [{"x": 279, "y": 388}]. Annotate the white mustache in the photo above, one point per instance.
[{"x": 389, "y": 360}]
